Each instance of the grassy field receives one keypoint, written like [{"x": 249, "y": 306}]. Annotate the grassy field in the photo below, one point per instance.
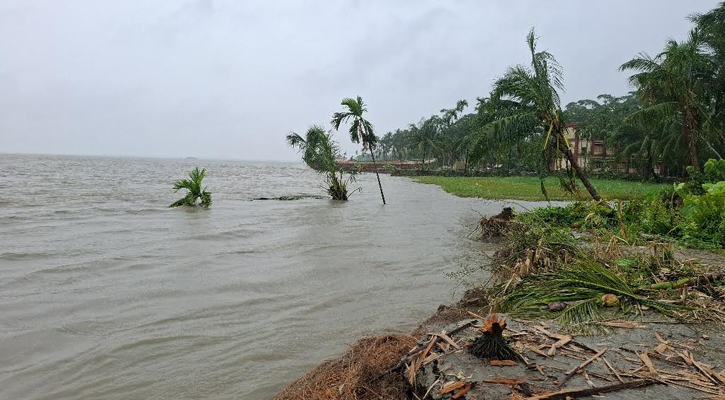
[{"x": 528, "y": 188}]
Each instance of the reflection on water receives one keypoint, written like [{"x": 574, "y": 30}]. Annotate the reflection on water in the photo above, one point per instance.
[{"x": 107, "y": 294}]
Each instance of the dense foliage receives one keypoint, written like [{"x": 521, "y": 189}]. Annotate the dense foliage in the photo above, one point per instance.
[
  {"x": 691, "y": 213},
  {"x": 675, "y": 117}
]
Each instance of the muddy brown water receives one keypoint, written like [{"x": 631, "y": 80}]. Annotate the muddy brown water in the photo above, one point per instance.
[{"x": 107, "y": 294}]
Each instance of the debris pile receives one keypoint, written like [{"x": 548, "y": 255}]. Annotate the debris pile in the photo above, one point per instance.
[
  {"x": 362, "y": 373},
  {"x": 497, "y": 225},
  {"x": 551, "y": 365}
]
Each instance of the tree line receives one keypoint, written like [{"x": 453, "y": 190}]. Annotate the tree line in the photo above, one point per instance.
[{"x": 674, "y": 117}]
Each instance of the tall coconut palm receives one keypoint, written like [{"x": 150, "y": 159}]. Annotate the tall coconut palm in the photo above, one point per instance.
[
  {"x": 361, "y": 130},
  {"x": 532, "y": 92},
  {"x": 194, "y": 190},
  {"x": 712, "y": 27},
  {"x": 319, "y": 152},
  {"x": 676, "y": 83}
]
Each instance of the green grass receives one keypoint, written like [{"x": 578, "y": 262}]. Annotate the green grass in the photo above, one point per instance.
[{"x": 528, "y": 188}]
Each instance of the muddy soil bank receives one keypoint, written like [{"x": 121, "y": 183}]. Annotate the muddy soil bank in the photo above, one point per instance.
[
  {"x": 544, "y": 373},
  {"x": 663, "y": 357},
  {"x": 541, "y": 373}
]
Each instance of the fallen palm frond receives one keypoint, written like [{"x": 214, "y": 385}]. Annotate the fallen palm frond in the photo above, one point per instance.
[{"x": 584, "y": 288}]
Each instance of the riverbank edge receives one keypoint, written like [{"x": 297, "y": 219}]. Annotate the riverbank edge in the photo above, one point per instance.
[{"x": 475, "y": 301}]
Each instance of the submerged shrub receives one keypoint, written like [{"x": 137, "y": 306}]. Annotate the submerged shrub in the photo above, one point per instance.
[
  {"x": 195, "y": 192},
  {"x": 337, "y": 185}
]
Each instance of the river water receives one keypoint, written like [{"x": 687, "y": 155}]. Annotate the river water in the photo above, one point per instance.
[{"x": 105, "y": 293}]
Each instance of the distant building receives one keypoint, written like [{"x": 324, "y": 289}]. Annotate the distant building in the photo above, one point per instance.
[{"x": 592, "y": 154}]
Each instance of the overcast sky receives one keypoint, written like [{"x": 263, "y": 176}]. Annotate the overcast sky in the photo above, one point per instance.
[{"x": 229, "y": 79}]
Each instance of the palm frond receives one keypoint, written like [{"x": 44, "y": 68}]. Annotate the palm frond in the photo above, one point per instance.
[
  {"x": 193, "y": 186},
  {"x": 581, "y": 287}
]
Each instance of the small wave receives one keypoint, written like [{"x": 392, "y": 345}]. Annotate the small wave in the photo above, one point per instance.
[
  {"x": 24, "y": 256},
  {"x": 153, "y": 342},
  {"x": 293, "y": 197}
]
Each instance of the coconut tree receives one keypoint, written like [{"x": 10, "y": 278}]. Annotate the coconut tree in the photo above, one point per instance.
[
  {"x": 425, "y": 136},
  {"x": 361, "y": 130},
  {"x": 319, "y": 152},
  {"x": 712, "y": 27},
  {"x": 194, "y": 190},
  {"x": 677, "y": 83},
  {"x": 532, "y": 93}
]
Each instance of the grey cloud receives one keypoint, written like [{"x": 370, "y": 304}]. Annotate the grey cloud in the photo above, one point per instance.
[{"x": 228, "y": 79}]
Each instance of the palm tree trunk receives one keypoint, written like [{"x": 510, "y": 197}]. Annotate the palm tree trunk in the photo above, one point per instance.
[
  {"x": 577, "y": 169},
  {"x": 689, "y": 131},
  {"x": 375, "y": 168}
]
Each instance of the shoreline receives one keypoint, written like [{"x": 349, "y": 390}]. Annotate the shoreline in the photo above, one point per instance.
[
  {"x": 700, "y": 339},
  {"x": 704, "y": 342}
]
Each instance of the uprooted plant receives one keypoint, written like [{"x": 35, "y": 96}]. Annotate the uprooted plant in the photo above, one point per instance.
[
  {"x": 319, "y": 152},
  {"x": 491, "y": 344}
]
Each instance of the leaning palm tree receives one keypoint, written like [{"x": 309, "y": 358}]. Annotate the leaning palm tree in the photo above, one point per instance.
[
  {"x": 361, "y": 130},
  {"x": 319, "y": 152},
  {"x": 532, "y": 93},
  {"x": 194, "y": 190},
  {"x": 677, "y": 82}
]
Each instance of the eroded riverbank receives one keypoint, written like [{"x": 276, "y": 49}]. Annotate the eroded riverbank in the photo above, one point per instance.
[{"x": 672, "y": 349}]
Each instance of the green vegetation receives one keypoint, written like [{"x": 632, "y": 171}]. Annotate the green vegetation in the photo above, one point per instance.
[
  {"x": 584, "y": 287},
  {"x": 692, "y": 214},
  {"x": 587, "y": 261},
  {"x": 531, "y": 104},
  {"x": 194, "y": 190},
  {"x": 319, "y": 152},
  {"x": 529, "y": 188},
  {"x": 361, "y": 130},
  {"x": 675, "y": 118}
]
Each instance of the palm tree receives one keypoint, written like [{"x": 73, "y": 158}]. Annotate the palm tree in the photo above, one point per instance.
[
  {"x": 319, "y": 152},
  {"x": 532, "y": 92},
  {"x": 195, "y": 191},
  {"x": 451, "y": 115},
  {"x": 676, "y": 83},
  {"x": 425, "y": 136},
  {"x": 361, "y": 130},
  {"x": 712, "y": 27},
  {"x": 317, "y": 148}
]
